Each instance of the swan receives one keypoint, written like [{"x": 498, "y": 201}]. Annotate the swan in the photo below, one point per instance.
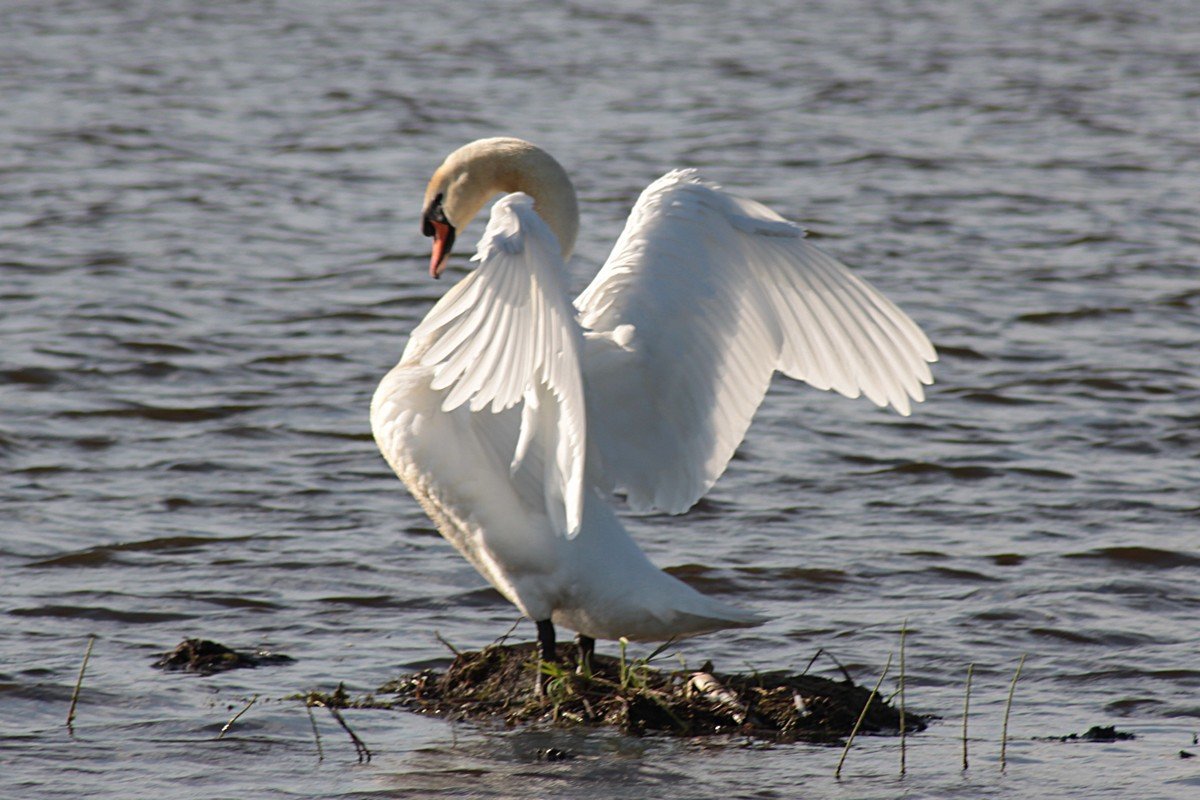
[{"x": 515, "y": 416}]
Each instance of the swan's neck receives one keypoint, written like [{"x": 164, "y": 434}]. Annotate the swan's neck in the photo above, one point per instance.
[{"x": 474, "y": 173}]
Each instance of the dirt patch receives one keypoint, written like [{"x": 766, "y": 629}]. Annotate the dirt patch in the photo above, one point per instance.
[
  {"x": 498, "y": 684},
  {"x": 205, "y": 657}
]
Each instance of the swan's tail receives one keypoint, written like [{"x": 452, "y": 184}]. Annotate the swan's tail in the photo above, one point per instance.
[
  {"x": 613, "y": 590},
  {"x": 650, "y": 605},
  {"x": 693, "y": 613}
]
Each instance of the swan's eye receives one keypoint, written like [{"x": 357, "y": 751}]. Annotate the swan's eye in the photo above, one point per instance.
[{"x": 433, "y": 214}]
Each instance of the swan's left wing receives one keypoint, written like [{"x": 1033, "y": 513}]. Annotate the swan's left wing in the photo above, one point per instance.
[
  {"x": 704, "y": 297},
  {"x": 507, "y": 334}
]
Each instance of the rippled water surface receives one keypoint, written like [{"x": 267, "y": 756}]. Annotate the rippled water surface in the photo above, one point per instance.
[{"x": 210, "y": 254}]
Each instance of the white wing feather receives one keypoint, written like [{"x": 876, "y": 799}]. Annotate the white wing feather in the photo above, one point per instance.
[
  {"x": 704, "y": 297},
  {"x": 505, "y": 334}
]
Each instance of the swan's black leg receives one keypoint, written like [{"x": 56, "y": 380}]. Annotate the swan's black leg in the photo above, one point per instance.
[
  {"x": 545, "y": 630},
  {"x": 587, "y": 648},
  {"x": 547, "y": 651}
]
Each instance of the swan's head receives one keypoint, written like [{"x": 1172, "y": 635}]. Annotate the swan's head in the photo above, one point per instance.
[{"x": 472, "y": 174}]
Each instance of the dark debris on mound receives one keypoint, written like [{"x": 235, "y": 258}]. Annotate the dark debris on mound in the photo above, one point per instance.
[
  {"x": 205, "y": 657},
  {"x": 1096, "y": 733},
  {"x": 497, "y": 684}
]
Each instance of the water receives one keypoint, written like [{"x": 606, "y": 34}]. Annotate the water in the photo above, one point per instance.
[{"x": 210, "y": 254}]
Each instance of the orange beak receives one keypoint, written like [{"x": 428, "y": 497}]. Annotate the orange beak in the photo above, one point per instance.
[{"x": 443, "y": 240}]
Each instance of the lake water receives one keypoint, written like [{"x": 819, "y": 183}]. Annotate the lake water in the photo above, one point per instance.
[{"x": 210, "y": 254}]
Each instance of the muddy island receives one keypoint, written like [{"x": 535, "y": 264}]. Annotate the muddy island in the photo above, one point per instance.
[{"x": 498, "y": 684}]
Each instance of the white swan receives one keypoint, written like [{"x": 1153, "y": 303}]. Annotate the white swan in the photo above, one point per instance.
[{"x": 514, "y": 415}]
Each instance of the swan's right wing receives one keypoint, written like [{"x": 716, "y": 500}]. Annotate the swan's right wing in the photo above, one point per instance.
[{"x": 704, "y": 297}]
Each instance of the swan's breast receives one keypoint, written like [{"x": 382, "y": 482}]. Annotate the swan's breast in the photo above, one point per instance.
[{"x": 456, "y": 465}]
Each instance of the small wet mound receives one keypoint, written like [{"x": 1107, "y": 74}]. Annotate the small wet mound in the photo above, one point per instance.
[
  {"x": 1096, "y": 733},
  {"x": 498, "y": 684},
  {"x": 205, "y": 657}
]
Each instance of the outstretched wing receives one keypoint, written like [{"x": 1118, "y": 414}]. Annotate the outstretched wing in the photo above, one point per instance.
[
  {"x": 507, "y": 334},
  {"x": 704, "y": 297}
]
